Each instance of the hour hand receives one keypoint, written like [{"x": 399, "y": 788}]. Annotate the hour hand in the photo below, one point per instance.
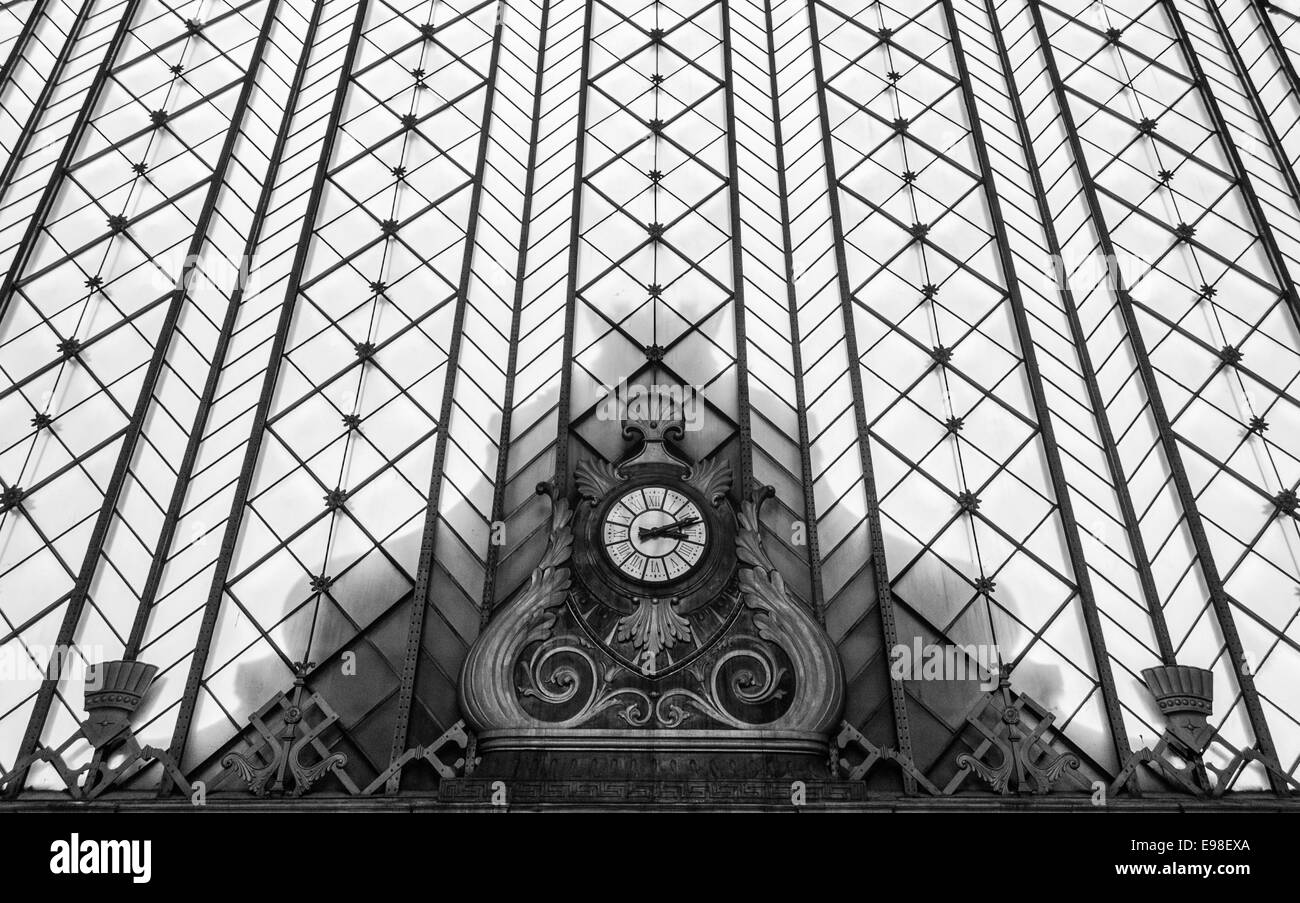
[
  {"x": 674, "y": 529},
  {"x": 663, "y": 533}
]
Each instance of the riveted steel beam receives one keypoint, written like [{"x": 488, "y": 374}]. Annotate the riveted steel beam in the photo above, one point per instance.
[
  {"x": 501, "y": 478},
  {"x": 1169, "y": 442},
  {"x": 1046, "y": 433},
  {"x": 1239, "y": 171},
  {"x": 230, "y": 539},
  {"x": 419, "y": 600},
  {"x": 565, "y": 416},
  {"x": 1110, "y": 448},
  {"x": 149, "y": 385},
  {"x": 879, "y": 567}
]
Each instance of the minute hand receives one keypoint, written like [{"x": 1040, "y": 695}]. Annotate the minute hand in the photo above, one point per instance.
[{"x": 675, "y": 526}]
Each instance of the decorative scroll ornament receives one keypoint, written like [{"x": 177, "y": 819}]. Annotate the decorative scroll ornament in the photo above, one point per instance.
[
  {"x": 654, "y": 435},
  {"x": 487, "y": 691},
  {"x": 289, "y": 743},
  {"x": 114, "y": 690},
  {"x": 595, "y": 478},
  {"x": 712, "y": 478},
  {"x": 1027, "y": 762},
  {"x": 782, "y": 622},
  {"x": 540, "y": 665}
]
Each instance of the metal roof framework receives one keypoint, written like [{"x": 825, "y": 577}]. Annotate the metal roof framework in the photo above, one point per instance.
[{"x": 303, "y": 297}]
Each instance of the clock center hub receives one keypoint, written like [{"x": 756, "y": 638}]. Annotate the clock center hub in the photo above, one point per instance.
[{"x": 644, "y": 538}]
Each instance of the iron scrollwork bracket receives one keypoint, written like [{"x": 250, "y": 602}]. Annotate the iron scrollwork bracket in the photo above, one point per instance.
[
  {"x": 1027, "y": 763},
  {"x": 91, "y": 780},
  {"x": 850, "y": 741},
  {"x": 288, "y": 744},
  {"x": 281, "y": 767},
  {"x": 113, "y": 692},
  {"x": 1184, "y": 695},
  {"x": 463, "y": 766},
  {"x": 1184, "y": 766}
]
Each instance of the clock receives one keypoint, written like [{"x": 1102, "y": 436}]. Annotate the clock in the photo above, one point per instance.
[
  {"x": 654, "y": 554},
  {"x": 654, "y": 527},
  {"x": 654, "y": 534}
]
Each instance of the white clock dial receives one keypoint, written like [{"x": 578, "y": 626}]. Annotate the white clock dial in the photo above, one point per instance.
[{"x": 654, "y": 534}]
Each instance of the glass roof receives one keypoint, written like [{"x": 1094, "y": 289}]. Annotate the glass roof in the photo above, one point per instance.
[{"x": 303, "y": 298}]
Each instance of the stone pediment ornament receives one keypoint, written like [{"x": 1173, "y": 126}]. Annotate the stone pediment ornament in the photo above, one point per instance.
[
  {"x": 708, "y": 649},
  {"x": 783, "y": 622},
  {"x": 655, "y": 436},
  {"x": 488, "y": 696}
]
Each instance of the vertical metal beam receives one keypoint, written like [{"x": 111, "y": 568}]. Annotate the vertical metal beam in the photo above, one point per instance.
[
  {"x": 20, "y": 42},
  {"x": 198, "y": 428},
  {"x": 25, "y": 248},
  {"x": 1079, "y": 337},
  {"x": 512, "y": 361},
  {"x": 879, "y": 570},
  {"x": 19, "y": 150},
  {"x": 1061, "y": 489},
  {"x": 90, "y": 563},
  {"x": 1168, "y": 441},
  {"x": 1256, "y": 102},
  {"x": 32, "y": 234},
  {"x": 1262, "y": 9},
  {"x": 564, "y": 415},
  {"x": 1239, "y": 171},
  {"x": 796, "y": 353},
  {"x": 737, "y": 274},
  {"x": 212, "y": 607},
  {"x": 419, "y": 600}
]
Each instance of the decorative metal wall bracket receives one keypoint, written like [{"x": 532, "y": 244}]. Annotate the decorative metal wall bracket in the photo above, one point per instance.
[
  {"x": 462, "y": 766},
  {"x": 288, "y": 743},
  {"x": 1028, "y": 763},
  {"x": 849, "y": 743},
  {"x": 281, "y": 769},
  {"x": 1191, "y": 773},
  {"x": 113, "y": 693},
  {"x": 1185, "y": 696}
]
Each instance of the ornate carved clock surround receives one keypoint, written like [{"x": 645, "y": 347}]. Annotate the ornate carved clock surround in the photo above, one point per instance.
[{"x": 715, "y": 657}]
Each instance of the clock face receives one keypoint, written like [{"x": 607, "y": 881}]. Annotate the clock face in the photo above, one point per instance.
[{"x": 654, "y": 534}]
